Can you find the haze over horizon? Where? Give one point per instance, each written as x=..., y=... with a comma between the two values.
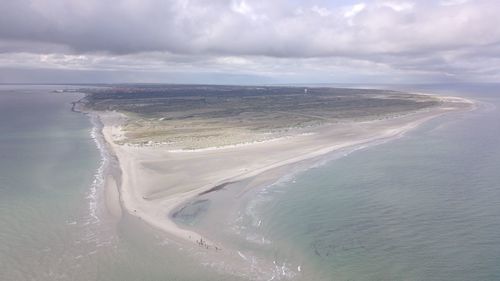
x=238, y=41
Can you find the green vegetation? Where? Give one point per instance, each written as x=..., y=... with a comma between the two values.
x=189, y=116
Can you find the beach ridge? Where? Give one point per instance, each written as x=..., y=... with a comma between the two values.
x=145, y=168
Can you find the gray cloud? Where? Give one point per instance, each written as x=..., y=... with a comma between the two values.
x=452, y=38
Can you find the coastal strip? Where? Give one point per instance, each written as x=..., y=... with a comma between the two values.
x=156, y=181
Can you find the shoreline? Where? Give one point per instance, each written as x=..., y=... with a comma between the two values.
x=138, y=166
x=107, y=178
x=109, y=171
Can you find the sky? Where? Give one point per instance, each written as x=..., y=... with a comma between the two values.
x=249, y=41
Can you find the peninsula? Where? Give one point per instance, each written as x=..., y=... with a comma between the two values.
x=175, y=143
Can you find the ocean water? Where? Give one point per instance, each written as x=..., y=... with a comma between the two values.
x=53, y=223
x=422, y=207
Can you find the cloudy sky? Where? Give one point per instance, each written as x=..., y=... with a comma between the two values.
x=249, y=41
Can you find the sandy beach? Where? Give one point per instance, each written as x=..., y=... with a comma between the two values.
x=156, y=181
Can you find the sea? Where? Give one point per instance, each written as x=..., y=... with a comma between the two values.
x=425, y=206
x=53, y=222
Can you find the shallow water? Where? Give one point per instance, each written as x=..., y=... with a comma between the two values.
x=422, y=207
x=53, y=225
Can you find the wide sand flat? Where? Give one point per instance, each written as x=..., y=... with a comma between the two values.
x=156, y=180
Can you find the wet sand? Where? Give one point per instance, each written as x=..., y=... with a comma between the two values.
x=155, y=182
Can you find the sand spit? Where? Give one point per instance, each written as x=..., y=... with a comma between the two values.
x=155, y=181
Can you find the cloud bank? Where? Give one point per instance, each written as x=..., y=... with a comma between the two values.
x=330, y=41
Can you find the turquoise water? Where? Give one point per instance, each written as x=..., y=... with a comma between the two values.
x=53, y=225
x=423, y=207
x=47, y=165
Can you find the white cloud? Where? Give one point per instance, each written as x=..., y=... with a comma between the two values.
x=324, y=12
x=452, y=2
x=241, y=6
x=354, y=10
x=428, y=37
x=398, y=5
